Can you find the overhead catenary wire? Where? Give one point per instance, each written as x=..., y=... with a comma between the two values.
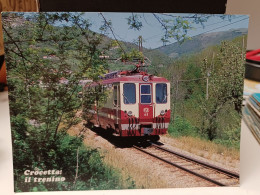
x=158, y=19
x=221, y=27
x=154, y=36
x=192, y=79
x=228, y=20
x=120, y=45
x=186, y=15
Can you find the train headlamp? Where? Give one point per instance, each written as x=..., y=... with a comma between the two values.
x=129, y=113
x=162, y=112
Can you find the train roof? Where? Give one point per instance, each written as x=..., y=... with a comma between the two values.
x=134, y=76
x=135, y=79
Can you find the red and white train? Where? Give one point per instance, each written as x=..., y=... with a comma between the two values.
x=138, y=104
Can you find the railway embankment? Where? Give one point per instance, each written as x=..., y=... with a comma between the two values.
x=148, y=172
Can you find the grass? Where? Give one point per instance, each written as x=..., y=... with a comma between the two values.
x=124, y=181
x=136, y=175
x=142, y=175
x=205, y=149
x=130, y=171
x=190, y=138
x=132, y=174
x=139, y=172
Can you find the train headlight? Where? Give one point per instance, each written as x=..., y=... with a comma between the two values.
x=129, y=113
x=162, y=112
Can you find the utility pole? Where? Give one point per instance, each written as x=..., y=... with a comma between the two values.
x=164, y=40
x=82, y=98
x=207, y=87
x=140, y=43
x=175, y=99
x=140, y=46
x=208, y=75
x=243, y=45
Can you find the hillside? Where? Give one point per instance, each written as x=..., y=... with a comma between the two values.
x=200, y=42
x=156, y=57
x=164, y=55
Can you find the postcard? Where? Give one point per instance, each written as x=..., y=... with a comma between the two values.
x=102, y=101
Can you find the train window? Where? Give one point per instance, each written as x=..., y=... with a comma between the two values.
x=161, y=93
x=115, y=95
x=145, y=99
x=129, y=93
x=145, y=89
x=146, y=96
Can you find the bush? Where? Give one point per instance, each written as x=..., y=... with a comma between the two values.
x=182, y=127
x=230, y=137
x=61, y=154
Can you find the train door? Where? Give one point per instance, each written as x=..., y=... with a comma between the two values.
x=116, y=102
x=146, y=103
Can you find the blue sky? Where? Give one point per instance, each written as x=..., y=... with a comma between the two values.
x=152, y=31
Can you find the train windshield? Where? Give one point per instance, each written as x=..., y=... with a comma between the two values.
x=161, y=93
x=146, y=96
x=129, y=93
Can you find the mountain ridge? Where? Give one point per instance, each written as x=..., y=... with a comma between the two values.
x=200, y=42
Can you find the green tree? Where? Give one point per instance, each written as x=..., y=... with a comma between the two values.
x=225, y=85
x=218, y=116
x=47, y=55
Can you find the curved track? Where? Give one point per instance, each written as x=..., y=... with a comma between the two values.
x=206, y=171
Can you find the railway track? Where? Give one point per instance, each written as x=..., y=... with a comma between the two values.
x=206, y=171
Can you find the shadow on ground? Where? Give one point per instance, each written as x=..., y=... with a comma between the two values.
x=123, y=142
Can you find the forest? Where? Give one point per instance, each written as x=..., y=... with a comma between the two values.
x=207, y=93
x=48, y=54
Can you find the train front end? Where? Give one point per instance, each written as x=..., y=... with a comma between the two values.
x=145, y=106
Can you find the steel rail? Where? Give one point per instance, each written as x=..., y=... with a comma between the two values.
x=207, y=165
x=180, y=167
